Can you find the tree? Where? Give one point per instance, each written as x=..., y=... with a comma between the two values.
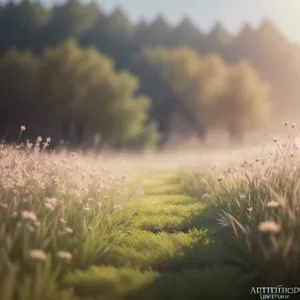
x=81, y=85
x=192, y=82
x=243, y=104
x=110, y=35
x=69, y=20
x=272, y=56
x=186, y=34
x=28, y=24
x=18, y=71
x=118, y=25
x=208, y=92
x=20, y=24
x=216, y=41
x=157, y=33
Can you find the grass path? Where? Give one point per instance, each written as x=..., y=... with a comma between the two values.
x=169, y=253
x=170, y=236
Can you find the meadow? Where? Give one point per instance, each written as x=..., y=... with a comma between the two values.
x=201, y=225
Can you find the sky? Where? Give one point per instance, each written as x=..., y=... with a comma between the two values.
x=232, y=13
x=204, y=13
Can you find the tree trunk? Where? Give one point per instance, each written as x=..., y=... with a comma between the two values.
x=3, y=128
x=197, y=125
x=201, y=132
x=65, y=129
x=164, y=129
x=235, y=134
x=79, y=130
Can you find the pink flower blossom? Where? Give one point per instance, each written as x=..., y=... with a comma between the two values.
x=297, y=143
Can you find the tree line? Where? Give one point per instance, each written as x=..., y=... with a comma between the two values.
x=74, y=63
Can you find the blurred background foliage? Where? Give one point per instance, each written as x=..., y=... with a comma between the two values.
x=73, y=71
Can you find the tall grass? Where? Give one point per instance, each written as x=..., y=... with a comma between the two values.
x=58, y=213
x=257, y=208
x=72, y=228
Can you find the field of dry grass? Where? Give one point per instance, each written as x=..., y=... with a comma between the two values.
x=176, y=225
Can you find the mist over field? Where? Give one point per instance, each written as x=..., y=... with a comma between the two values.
x=144, y=160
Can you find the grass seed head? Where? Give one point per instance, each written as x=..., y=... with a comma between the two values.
x=269, y=227
x=38, y=255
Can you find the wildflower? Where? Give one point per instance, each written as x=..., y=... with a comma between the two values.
x=205, y=196
x=293, y=125
x=45, y=145
x=242, y=196
x=29, y=145
x=269, y=227
x=37, y=223
x=272, y=204
x=86, y=208
x=49, y=206
x=297, y=143
x=285, y=123
x=23, y=128
x=14, y=214
x=249, y=209
x=68, y=230
x=275, y=139
x=31, y=228
x=64, y=255
x=3, y=205
x=63, y=221
x=50, y=203
x=220, y=178
x=39, y=139
x=39, y=255
x=48, y=140
x=27, y=215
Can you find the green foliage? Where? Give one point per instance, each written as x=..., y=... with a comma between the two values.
x=82, y=83
x=32, y=26
x=245, y=103
x=25, y=20
x=214, y=93
x=117, y=24
x=18, y=69
x=68, y=20
x=155, y=33
x=146, y=139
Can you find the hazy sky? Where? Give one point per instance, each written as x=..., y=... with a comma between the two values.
x=285, y=13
